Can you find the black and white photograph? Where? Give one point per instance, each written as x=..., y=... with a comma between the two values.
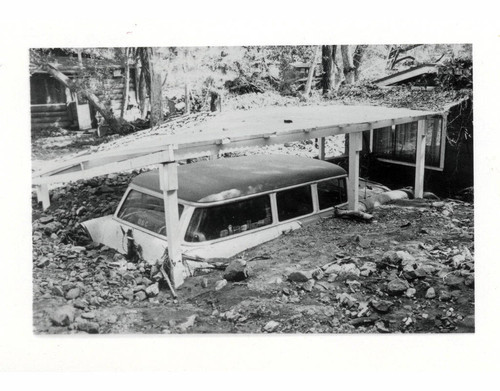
x=279, y=189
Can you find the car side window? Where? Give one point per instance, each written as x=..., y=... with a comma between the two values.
x=294, y=202
x=219, y=221
x=146, y=211
x=331, y=193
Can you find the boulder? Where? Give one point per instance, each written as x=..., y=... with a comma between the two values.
x=153, y=290
x=63, y=316
x=236, y=271
x=382, y=306
x=88, y=327
x=397, y=287
x=300, y=276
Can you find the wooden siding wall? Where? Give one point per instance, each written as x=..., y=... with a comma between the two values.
x=113, y=91
x=51, y=115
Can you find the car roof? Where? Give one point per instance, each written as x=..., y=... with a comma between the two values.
x=222, y=179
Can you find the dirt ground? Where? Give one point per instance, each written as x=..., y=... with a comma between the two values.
x=409, y=271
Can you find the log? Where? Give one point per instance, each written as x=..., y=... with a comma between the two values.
x=48, y=108
x=92, y=98
x=353, y=214
x=50, y=114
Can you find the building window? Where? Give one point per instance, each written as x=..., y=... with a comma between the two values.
x=398, y=143
x=331, y=193
x=294, y=203
x=146, y=211
x=219, y=221
x=46, y=90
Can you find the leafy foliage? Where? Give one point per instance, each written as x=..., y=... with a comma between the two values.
x=456, y=74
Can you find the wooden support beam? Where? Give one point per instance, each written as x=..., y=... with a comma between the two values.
x=321, y=147
x=169, y=186
x=43, y=196
x=420, y=160
x=355, y=146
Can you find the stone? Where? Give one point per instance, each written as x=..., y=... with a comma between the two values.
x=80, y=304
x=409, y=272
x=420, y=272
x=220, y=284
x=308, y=285
x=73, y=293
x=430, y=294
x=63, y=316
x=81, y=210
x=367, y=269
x=410, y=292
x=346, y=299
x=444, y=295
x=188, y=323
x=236, y=271
x=318, y=274
x=397, y=287
x=204, y=283
x=44, y=261
x=88, y=315
x=141, y=296
x=300, y=276
x=381, y=327
x=363, y=321
x=457, y=260
x=396, y=258
x=469, y=281
x=271, y=326
x=153, y=290
x=453, y=281
x=46, y=219
x=88, y=327
x=382, y=306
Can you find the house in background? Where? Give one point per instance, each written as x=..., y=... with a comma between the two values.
x=54, y=105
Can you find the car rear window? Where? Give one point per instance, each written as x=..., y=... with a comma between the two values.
x=331, y=192
x=146, y=211
x=294, y=202
x=229, y=219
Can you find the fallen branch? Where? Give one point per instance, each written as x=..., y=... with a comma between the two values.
x=353, y=214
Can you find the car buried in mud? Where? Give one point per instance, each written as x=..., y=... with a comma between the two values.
x=225, y=206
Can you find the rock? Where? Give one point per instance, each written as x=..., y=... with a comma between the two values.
x=153, y=290
x=300, y=276
x=397, y=287
x=469, y=281
x=318, y=274
x=88, y=315
x=363, y=321
x=63, y=316
x=236, y=271
x=271, y=326
x=141, y=296
x=204, y=283
x=80, y=304
x=73, y=293
x=444, y=295
x=46, y=219
x=396, y=258
x=81, y=210
x=308, y=285
x=88, y=327
x=346, y=299
x=409, y=272
x=410, y=292
x=382, y=306
x=44, y=261
x=420, y=272
x=457, y=260
x=343, y=270
x=220, y=284
x=187, y=324
x=381, y=327
x=430, y=294
x=368, y=268
x=453, y=281
x=58, y=291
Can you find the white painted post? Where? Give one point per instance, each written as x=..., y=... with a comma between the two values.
x=42, y=195
x=321, y=152
x=169, y=186
x=355, y=146
x=420, y=160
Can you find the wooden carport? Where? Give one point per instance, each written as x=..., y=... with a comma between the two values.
x=235, y=131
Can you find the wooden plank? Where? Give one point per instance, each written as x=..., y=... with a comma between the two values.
x=355, y=146
x=321, y=148
x=169, y=186
x=444, y=130
x=48, y=107
x=49, y=114
x=420, y=160
x=110, y=168
x=43, y=196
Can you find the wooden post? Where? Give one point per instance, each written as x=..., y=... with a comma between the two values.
x=187, y=101
x=42, y=195
x=355, y=146
x=420, y=160
x=321, y=147
x=169, y=186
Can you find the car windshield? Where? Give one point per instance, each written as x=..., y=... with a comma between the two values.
x=145, y=211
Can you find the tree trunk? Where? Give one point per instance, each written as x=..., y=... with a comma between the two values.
x=215, y=101
x=155, y=89
x=356, y=59
x=127, y=84
x=347, y=64
x=310, y=75
x=328, y=55
x=90, y=96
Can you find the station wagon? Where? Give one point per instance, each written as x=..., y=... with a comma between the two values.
x=225, y=206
